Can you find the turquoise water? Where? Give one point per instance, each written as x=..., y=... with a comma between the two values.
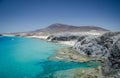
x=27, y=58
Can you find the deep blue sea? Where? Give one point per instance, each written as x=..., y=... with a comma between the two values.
x=28, y=58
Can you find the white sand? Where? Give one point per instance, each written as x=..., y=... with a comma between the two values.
x=70, y=43
x=39, y=37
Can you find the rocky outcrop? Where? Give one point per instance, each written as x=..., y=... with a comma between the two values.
x=106, y=46
x=112, y=64
x=79, y=73
x=97, y=46
x=62, y=37
x=68, y=54
x=108, y=39
x=89, y=46
x=115, y=53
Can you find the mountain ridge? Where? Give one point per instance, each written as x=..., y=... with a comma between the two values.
x=58, y=27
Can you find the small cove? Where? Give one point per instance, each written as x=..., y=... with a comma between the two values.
x=27, y=58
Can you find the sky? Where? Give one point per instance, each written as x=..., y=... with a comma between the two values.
x=27, y=15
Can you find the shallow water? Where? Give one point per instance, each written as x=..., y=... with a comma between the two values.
x=27, y=58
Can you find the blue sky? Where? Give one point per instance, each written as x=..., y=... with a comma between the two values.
x=27, y=15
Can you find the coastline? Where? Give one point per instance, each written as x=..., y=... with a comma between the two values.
x=67, y=53
x=68, y=43
x=71, y=56
x=38, y=37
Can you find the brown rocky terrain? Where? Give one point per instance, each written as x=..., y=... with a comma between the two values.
x=58, y=28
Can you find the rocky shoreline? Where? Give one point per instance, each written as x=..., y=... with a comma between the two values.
x=69, y=54
x=84, y=48
x=105, y=48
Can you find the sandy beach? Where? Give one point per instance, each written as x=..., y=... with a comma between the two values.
x=38, y=37
x=69, y=43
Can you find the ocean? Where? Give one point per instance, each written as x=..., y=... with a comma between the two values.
x=28, y=58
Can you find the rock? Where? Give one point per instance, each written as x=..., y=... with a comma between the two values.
x=106, y=46
x=115, y=55
x=112, y=65
x=111, y=41
x=68, y=54
x=63, y=37
x=78, y=73
x=97, y=46
x=108, y=39
x=89, y=46
x=117, y=75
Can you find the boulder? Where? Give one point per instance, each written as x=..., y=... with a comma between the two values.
x=89, y=46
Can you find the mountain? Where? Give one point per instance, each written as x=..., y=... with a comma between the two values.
x=58, y=28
